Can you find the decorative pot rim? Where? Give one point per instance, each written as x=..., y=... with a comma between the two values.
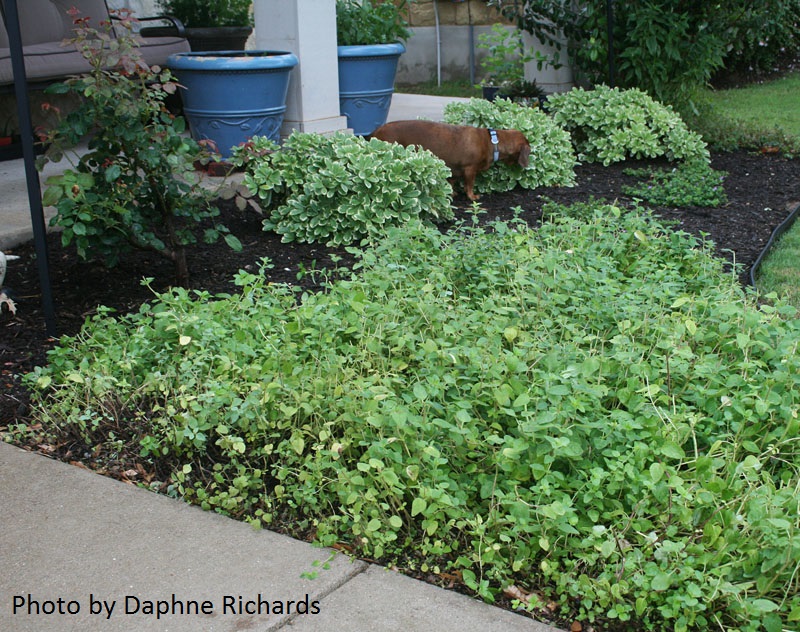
x=233, y=60
x=371, y=50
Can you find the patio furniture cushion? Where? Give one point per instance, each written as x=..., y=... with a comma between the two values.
x=45, y=25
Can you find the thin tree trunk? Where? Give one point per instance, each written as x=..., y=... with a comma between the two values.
x=181, y=267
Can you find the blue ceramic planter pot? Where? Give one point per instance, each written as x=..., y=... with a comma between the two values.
x=230, y=96
x=366, y=84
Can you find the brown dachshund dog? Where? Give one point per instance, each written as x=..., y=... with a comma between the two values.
x=466, y=150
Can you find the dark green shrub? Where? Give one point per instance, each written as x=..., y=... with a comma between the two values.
x=663, y=47
x=136, y=186
x=763, y=33
x=209, y=13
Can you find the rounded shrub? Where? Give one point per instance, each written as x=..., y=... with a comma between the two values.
x=341, y=188
x=610, y=125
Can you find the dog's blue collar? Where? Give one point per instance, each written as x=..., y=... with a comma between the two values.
x=495, y=144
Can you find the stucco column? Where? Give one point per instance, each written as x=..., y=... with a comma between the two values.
x=307, y=28
x=548, y=78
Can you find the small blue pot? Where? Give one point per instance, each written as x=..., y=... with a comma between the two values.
x=366, y=84
x=230, y=96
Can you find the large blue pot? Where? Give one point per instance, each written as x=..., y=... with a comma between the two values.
x=366, y=84
x=230, y=96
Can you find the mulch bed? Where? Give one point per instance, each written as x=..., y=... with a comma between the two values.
x=762, y=190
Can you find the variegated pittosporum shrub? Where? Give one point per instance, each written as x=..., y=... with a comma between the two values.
x=610, y=125
x=552, y=160
x=341, y=188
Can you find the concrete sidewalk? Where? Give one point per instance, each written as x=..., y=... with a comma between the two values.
x=15, y=215
x=84, y=552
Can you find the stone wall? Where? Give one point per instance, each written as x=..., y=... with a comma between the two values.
x=452, y=13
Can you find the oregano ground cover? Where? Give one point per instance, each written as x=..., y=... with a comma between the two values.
x=687, y=184
x=593, y=412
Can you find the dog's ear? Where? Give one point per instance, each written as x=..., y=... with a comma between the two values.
x=524, y=155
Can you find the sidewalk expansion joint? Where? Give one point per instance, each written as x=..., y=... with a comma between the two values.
x=358, y=567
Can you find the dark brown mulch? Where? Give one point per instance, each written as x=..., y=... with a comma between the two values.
x=762, y=189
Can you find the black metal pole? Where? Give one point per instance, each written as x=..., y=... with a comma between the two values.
x=610, y=24
x=11, y=16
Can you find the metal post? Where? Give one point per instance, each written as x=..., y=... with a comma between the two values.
x=610, y=24
x=438, y=43
x=11, y=18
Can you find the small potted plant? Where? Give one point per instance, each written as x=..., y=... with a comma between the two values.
x=370, y=35
x=7, y=137
x=524, y=92
x=212, y=24
x=505, y=59
x=11, y=142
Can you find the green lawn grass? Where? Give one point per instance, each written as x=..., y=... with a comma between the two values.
x=777, y=104
x=780, y=271
x=461, y=88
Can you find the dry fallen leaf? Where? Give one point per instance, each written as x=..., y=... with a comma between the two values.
x=146, y=476
x=515, y=592
x=341, y=546
x=7, y=303
x=452, y=579
x=576, y=626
